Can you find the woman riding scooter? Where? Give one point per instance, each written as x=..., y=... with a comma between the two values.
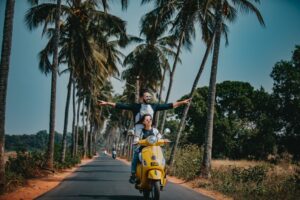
x=148, y=130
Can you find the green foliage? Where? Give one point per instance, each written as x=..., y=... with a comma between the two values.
x=286, y=94
x=31, y=164
x=13, y=180
x=33, y=142
x=243, y=122
x=195, y=122
x=27, y=165
x=69, y=160
x=186, y=164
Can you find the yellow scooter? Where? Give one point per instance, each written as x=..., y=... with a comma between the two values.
x=150, y=173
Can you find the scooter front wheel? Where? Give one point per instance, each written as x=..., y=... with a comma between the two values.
x=146, y=194
x=155, y=190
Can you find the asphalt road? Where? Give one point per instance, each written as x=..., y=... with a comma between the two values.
x=105, y=178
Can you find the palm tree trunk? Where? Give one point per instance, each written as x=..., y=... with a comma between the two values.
x=4, y=70
x=187, y=107
x=90, y=144
x=137, y=89
x=64, y=140
x=94, y=139
x=83, y=129
x=171, y=79
x=86, y=135
x=160, y=94
x=77, y=126
x=87, y=129
x=50, y=150
x=73, y=121
x=206, y=164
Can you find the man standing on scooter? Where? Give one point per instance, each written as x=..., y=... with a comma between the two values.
x=145, y=107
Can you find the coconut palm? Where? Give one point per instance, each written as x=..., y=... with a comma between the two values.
x=4, y=68
x=206, y=20
x=33, y=22
x=149, y=58
x=221, y=8
x=73, y=149
x=84, y=31
x=183, y=29
x=48, y=67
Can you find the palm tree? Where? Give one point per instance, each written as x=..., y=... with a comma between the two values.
x=84, y=31
x=221, y=8
x=77, y=124
x=73, y=150
x=183, y=30
x=50, y=151
x=149, y=58
x=34, y=19
x=206, y=20
x=165, y=70
x=64, y=140
x=191, y=95
x=4, y=69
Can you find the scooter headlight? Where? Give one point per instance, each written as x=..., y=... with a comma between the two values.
x=152, y=139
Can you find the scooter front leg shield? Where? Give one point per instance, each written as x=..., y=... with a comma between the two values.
x=154, y=174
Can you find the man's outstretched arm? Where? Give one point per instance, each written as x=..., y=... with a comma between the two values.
x=179, y=103
x=172, y=105
x=120, y=106
x=106, y=103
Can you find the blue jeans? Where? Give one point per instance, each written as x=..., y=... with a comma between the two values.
x=135, y=159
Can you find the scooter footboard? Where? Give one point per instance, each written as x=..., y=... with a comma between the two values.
x=155, y=174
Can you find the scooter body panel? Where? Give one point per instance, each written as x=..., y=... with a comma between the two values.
x=151, y=167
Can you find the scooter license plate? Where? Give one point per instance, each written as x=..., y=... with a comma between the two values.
x=154, y=163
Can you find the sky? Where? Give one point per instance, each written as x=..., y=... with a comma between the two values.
x=250, y=57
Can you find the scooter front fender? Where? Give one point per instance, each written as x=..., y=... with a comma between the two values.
x=154, y=174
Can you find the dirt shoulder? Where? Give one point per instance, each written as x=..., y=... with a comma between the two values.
x=38, y=186
x=190, y=185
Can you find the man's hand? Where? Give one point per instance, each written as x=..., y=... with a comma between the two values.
x=106, y=103
x=179, y=103
x=186, y=101
x=102, y=103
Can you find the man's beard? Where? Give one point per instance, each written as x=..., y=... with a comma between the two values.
x=147, y=101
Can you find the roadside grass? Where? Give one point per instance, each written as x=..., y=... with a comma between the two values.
x=21, y=166
x=240, y=179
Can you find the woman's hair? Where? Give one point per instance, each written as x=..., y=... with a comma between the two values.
x=144, y=116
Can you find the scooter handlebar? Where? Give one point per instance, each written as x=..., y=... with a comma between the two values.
x=159, y=142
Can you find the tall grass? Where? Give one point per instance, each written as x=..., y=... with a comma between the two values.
x=262, y=181
x=31, y=164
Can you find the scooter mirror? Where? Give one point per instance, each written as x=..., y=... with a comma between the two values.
x=167, y=131
x=130, y=132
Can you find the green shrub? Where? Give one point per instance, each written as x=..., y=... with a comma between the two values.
x=13, y=180
x=69, y=160
x=187, y=162
x=27, y=165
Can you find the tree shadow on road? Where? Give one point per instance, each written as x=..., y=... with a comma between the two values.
x=103, y=171
x=114, y=197
x=93, y=179
x=107, y=197
x=99, y=165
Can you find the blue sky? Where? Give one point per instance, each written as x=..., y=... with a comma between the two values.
x=250, y=56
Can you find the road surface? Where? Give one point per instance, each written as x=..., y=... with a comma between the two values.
x=105, y=178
